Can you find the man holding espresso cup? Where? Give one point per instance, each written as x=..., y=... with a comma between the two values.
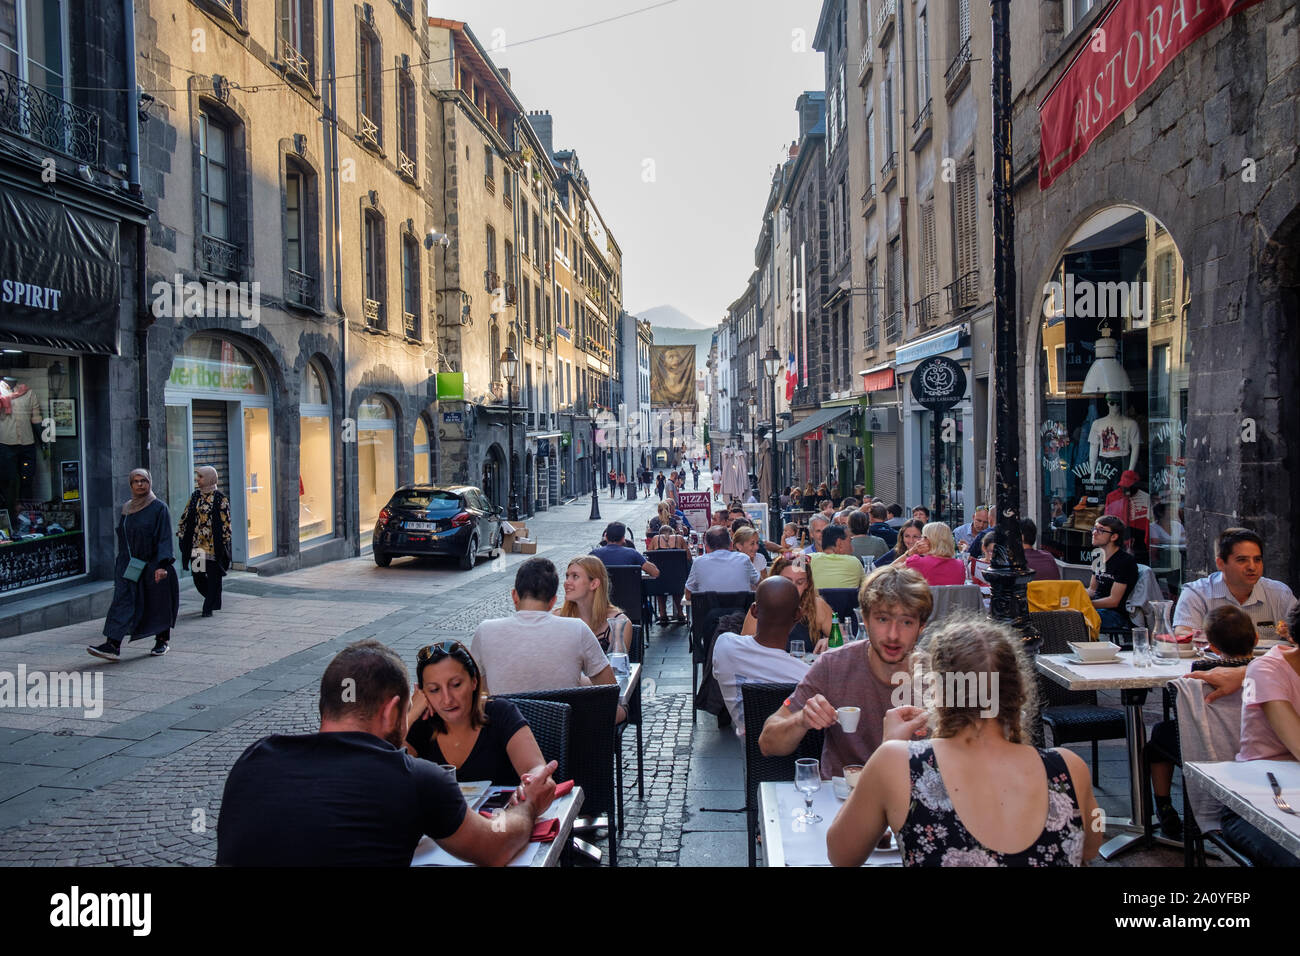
x=895, y=603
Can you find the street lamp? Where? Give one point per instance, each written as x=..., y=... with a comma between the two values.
x=753, y=452
x=592, y=412
x=509, y=363
x=772, y=367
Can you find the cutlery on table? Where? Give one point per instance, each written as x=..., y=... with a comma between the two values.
x=1277, y=795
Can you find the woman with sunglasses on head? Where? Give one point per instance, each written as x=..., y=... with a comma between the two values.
x=452, y=721
x=586, y=596
x=813, y=625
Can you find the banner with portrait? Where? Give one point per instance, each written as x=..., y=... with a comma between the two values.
x=672, y=375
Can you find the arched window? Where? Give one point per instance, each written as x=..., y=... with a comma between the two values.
x=376, y=460
x=423, y=453
x=315, y=457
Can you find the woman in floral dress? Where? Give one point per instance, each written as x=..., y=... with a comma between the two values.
x=973, y=794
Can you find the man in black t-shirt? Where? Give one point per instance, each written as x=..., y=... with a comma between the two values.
x=350, y=795
x=1115, y=577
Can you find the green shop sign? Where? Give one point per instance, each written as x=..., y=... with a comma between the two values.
x=451, y=386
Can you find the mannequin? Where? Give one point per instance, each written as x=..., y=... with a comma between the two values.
x=1114, y=438
x=19, y=411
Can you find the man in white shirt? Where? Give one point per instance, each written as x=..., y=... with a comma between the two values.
x=762, y=657
x=816, y=525
x=534, y=649
x=1239, y=583
x=720, y=568
x=717, y=483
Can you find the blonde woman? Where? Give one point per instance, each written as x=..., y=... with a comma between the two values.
x=745, y=540
x=975, y=793
x=586, y=596
x=934, y=556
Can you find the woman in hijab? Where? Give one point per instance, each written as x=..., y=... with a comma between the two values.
x=147, y=595
x=204, y=530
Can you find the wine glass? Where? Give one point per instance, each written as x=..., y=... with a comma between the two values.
x=808, y=780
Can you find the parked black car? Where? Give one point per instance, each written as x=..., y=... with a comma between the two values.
x=428, y=520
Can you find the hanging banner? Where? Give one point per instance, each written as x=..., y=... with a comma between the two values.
x=1130, y=46
x=672, y=375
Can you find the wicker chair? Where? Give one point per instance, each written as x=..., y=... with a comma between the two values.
x=1073, y=716
x=706, y=608
x=549, y=722
x=843, y=601
x=625, y=593
x=591, y=752
x=760, y=701
x=633, y=718
x=673, y=571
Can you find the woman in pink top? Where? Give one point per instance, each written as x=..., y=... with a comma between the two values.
x=933, y=556
x=1270, y=706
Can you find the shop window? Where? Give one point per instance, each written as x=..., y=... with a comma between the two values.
x=423, y=455
x=42, y=470
x=315, y=458
x=1114, y=392
x=376, y=461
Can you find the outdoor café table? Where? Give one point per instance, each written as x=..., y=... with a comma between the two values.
x=1242, y=787
x=788, y=844
x=428, y=853
x=629, y=689
x=1133, y=684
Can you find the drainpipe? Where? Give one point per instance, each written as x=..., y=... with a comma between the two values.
x=331, y=138
x=144, y=318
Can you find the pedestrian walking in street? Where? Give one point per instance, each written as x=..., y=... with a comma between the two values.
x=613, y=483
x=204, y=531
x=659, y=485
x=146, y=595
x=717, y=483
x=622, y=483
x=695, y=475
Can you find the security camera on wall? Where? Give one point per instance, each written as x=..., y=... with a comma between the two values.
x=437, y=238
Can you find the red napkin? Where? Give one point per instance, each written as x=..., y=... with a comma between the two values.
x=546, y=830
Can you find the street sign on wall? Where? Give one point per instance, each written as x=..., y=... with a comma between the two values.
x=938, y=383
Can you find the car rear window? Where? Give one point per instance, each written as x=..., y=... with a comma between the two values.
x=436, y=502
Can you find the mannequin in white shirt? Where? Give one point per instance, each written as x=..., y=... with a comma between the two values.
x=1114, y=437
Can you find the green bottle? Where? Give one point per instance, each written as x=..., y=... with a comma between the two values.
x=836, y=638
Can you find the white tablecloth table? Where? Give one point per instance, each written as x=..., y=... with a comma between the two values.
x=1243, y=787
x=787, y=843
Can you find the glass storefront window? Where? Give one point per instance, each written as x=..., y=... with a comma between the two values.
x=42, y=474
x=422, y=456
x=1114, y=379
x=259, y=481
x=315, y=459
x=952, y=504
x=376, y=461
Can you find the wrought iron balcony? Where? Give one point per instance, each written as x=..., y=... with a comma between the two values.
x=871, y=334
x=866, y=60
x=958, y=70
x=369, y=134
x=219, y=257
x=406, y=165
x=929, y=312
x=885, y=21
x=373, y=311
x=964, y=293
x=410, y=325
x=512, y=293
x=491, y=281
x=40, y=116
x=889, y=170
x=300, y=289
x=490, y=184
x=923, y=117
x=406, y=8
x=296, y=66
x=893, y=326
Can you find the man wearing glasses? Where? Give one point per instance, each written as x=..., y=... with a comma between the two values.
x=1114, y=574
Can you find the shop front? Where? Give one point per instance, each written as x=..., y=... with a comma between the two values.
x=947, y=435
x=1113, y=373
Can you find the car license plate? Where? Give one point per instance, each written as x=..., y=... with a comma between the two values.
x=420, y=526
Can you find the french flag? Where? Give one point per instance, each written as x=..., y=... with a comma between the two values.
x=790, y=378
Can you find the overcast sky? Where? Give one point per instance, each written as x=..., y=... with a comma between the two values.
x=697, y=94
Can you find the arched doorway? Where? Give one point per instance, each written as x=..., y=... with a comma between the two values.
x=219, y=414
x=1113, y=384
x=315, y=457
x=494, y=476
x=376, y=460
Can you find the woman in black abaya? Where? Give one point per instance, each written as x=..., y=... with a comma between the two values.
x=149, y=604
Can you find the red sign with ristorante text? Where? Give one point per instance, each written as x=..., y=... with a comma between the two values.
x=1130, y=46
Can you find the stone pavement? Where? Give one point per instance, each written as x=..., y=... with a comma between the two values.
x=141, y=784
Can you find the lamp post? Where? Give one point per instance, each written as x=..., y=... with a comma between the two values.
x=509, y=363
x=753, y=452
x=772, y=366
x=592, y=412
x=1010, y=575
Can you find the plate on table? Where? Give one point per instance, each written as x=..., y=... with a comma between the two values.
x=474, y=790
x=1079, y=660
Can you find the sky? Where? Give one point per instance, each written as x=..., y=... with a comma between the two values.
x=679, y=115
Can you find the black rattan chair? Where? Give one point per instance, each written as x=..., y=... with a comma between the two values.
x=843, y=601
x=1073, y=716
x=549, y=722
x=633, y=718
x=591, y=753
x=673, y=571
x=706, y=608
x=758, y=702
x=625, y=593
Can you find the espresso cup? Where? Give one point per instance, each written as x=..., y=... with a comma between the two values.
x=848, y=717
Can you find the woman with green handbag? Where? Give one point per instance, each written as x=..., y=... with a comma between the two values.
x=147, y=594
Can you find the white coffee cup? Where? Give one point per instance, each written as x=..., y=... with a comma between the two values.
x=848, y=717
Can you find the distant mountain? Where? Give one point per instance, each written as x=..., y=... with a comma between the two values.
x=667, y=317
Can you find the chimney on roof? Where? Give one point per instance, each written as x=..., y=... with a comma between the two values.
x=810, y=107
x=540, y=120
x=505, y=74
x=794, y=149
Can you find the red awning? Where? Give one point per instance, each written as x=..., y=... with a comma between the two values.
x=876, y=381
x=1129, y=47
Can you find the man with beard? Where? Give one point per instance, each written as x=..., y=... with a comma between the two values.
x=895, y=602
x=350, y=795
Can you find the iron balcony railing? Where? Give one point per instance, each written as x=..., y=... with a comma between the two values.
x=885, y=19
x=922, y=117
x=410, y=326
x=964, y=293
x=891, y=165
x=928, y=311
x=406, y=8
x=369, y=131
x=295, y=64
x=40, y=116
x=219, y=257
x=373, y=310
x=872, y=333
x=512, y=293
x=958, y=69
x=491, y=281
x=405, y=165
x=301, y=289
x=893, y=325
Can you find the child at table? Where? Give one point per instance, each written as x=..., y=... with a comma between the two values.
x=1231, y=636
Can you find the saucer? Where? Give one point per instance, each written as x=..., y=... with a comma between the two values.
x=1078, y=660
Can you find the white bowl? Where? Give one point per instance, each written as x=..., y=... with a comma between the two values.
x=1095, y=650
